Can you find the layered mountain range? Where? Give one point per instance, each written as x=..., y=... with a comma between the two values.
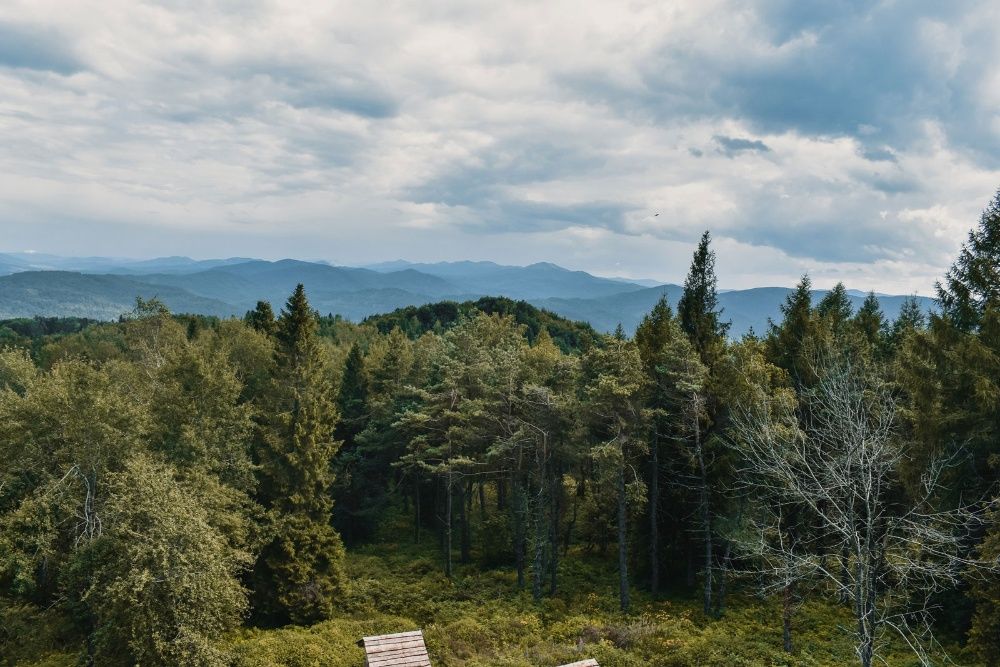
x=103, y=288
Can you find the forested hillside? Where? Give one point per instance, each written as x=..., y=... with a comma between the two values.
x=186, y=490
x=102, y=288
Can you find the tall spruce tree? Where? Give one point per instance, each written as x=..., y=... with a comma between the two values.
x=909, y=319
x=788, y=340
x=299, y=575
x=698, y=307
x=614, y=388
x=261, y=318
x=870, y=323
x=973, y=281
x=835, y=309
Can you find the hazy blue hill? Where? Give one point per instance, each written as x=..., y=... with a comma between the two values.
x=174, y=265
x=746, y=309
x=246, y=283
x=536, y=281
x=604, y=313
x=233, y=286
x=68, y=294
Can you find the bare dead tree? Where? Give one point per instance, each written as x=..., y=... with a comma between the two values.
x=832, y=462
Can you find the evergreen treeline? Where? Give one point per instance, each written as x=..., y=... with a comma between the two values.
x=167, y=480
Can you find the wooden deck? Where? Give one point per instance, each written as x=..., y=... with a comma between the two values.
x=590, y=662
x=404, y=649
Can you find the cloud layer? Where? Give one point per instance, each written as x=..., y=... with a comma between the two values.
x=855, y=140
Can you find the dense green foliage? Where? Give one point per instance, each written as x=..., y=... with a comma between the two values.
x=437, y=317
x=527, y=491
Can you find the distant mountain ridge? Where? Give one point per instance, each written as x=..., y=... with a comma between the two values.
x=104, y=288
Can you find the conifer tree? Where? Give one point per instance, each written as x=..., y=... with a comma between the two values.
x=973, y=281
x=261, y=318
x=788, y=341
x=870, y=322
x=352, y=399
x=835, y=309
x=614, y=386
x=299, y=575
x=910, y=319
x=698, y=306
x=675, y=405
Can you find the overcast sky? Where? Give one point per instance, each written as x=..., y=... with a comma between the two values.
x=858, y=141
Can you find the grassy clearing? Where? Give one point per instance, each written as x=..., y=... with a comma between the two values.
x=479, y=618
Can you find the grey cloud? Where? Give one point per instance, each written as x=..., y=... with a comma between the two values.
x=34, y=48
x=878, y=154
x=864, y=64
x=733, y=146
x=510, y=163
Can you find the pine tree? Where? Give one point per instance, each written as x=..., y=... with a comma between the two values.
x=352, y=399
x=698, y=306
x=614, y=387
x=910, y=319
x=835, y=309
x=676, y=378
x=973, y=281
x=262, y=319
x=299, y=575
x=870, y=322
x=789, y=340
x=654, y=334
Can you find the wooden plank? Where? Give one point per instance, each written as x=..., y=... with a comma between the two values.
x=403, y=649
x=589, y=662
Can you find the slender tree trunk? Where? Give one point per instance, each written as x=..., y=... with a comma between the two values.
x=466, y=536
x=706, y=522
x=623, y=592
x=845, y=574
x=501, y=495
x=448, y=525
x=654, y=516
x=416, y=511
x=482, y=502
x=720, y=597
x=520, y=530
x=538, y=564
x=554, y=530
x=787, y=599
x=570, y=526
x=689, y=579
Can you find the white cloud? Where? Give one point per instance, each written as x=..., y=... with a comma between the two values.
x=851, y=144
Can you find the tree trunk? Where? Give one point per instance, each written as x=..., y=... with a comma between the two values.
x=654, y=516
x=520, y=532
x=538, y=564
x=466, y=536
x=416, y=512
x=554, y=530
x=787, y=596
x=623, y=591
x=720, y=597
x=706, y=522
x=482, y=502
x=447, y=529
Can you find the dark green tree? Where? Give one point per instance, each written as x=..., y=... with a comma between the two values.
x=973, y=281
x=262, y=319
x=698, y=306
x=788, y=340
x=870, y=323
x=834, y=309
x=910, y=319
x=299, y=575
